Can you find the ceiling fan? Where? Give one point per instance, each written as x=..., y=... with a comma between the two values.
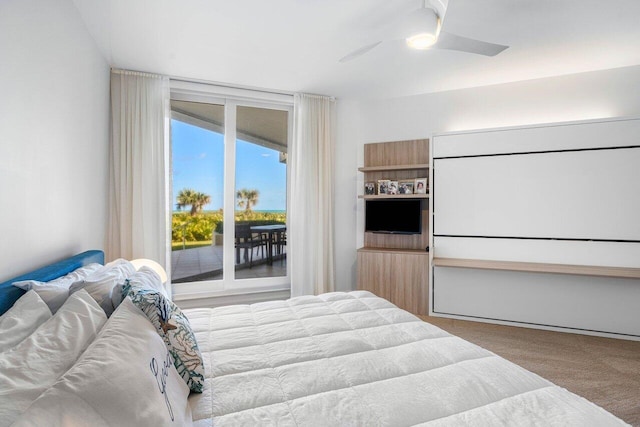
x=422, y=30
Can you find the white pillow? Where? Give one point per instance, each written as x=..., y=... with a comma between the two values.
x=125, y=378
x=55, y=292
x=32, y=366
x=22, y=319
x=100, y=284
x=145, y=278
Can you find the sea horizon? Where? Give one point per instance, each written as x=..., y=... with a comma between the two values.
x=240, y=210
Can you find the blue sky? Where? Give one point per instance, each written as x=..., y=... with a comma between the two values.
x=198, y=163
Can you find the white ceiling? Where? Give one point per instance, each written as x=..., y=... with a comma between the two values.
x=294, y=45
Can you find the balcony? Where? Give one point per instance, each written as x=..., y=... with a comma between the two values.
x=205, y=263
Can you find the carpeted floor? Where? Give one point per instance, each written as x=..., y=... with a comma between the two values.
x=603, y=370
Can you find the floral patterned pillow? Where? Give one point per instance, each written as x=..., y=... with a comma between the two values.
x=174, y=328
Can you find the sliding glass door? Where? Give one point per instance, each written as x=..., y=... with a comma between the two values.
x=197, y=146
x=229, y=193
x=261, y=192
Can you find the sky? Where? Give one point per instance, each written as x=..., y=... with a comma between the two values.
x=198, y=163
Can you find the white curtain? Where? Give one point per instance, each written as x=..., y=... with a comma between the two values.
x=138, y=182
x=311, y=216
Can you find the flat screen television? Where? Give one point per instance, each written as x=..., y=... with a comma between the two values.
x=393, y=216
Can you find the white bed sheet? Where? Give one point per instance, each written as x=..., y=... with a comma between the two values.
x=353, y=359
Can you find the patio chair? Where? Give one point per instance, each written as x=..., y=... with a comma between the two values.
x=280, y=244
x=247, y=240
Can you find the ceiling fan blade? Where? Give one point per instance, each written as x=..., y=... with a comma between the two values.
x=361, y=51
x=453, y=42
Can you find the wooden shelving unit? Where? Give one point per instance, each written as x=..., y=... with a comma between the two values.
x=395, y=266
x=398, y=160
x=394, y=251
x=393, y=196
x=394, y=167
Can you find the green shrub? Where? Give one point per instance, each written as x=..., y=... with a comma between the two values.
x=194, y=228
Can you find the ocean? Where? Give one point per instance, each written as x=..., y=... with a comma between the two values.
x=275, y=211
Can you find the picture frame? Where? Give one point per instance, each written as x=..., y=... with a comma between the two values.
x=383, y=186
x=393, y=187
x=420, y=186
x=405, y=187
x=369, y=188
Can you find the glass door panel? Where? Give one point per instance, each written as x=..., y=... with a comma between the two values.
x=197, y=141
x=261, y=192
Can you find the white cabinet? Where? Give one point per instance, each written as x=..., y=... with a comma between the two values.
x=538, y=225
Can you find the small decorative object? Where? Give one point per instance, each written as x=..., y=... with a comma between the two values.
x=405, y=187
x=421, y=186
x=393, y=187
x=369, y=188
x=383, y=186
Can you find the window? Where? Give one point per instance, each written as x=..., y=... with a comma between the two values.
x=229, y=192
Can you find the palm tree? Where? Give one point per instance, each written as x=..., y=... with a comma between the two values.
x=200, y=200
x=247, y=198
x=195, y=199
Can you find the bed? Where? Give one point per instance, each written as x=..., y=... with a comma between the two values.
x=337, y=359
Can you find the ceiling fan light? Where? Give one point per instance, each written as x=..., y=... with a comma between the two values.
x=422, y=28
x=421, y=41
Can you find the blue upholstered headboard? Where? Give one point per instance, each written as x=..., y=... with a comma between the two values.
x=10, y=294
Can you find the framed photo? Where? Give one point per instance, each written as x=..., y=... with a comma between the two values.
x=405, y=187
x=420, y=186
x=369, y=188
x=393, y=187
x=383, y=186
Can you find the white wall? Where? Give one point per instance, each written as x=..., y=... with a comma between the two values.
x=599, y=94
x=349, y=132
x=54, y=129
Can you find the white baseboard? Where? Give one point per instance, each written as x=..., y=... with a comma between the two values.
x=222, y=300
x=537, y=326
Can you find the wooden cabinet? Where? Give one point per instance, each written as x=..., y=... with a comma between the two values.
x=396, y=266
x=400, y=276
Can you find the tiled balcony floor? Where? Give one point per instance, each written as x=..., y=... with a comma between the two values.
x=205, y=263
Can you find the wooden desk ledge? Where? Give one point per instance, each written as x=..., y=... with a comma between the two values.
x=537, y=267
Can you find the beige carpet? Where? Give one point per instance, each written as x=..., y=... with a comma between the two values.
x=603, y=370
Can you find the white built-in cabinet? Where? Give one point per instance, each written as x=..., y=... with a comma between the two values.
x=539, y=226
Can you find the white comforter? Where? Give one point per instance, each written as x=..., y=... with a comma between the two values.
x=353, y=359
